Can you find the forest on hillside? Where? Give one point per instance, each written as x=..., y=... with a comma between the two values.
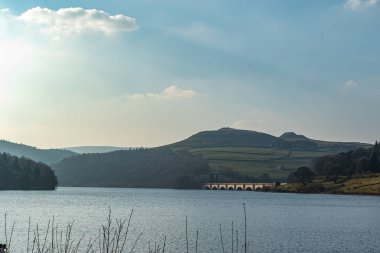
x=24, y=174
x=152, y=168
x=343, y=165
x=350, y=163
x=353, y=172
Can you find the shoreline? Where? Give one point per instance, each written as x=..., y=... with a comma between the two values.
x=366, y=185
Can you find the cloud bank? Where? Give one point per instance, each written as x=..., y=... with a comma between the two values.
x=170, y=92
x=71, y=21
x=359, y=4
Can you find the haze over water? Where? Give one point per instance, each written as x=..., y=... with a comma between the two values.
x=276, y=222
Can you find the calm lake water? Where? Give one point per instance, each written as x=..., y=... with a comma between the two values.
x=276, y=222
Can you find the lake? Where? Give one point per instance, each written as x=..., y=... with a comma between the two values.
x=276, y=222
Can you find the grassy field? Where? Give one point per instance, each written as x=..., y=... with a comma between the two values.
x=364, y=185
x=252, y=161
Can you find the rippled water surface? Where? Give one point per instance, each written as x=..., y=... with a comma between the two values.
x=275, y=222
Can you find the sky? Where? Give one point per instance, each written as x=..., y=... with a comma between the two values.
x=153, y=72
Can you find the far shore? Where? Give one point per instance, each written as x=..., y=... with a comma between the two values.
x=366, y=185
x=362, y=185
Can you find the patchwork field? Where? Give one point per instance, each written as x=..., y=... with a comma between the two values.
x=254, y=153
x=255, y=161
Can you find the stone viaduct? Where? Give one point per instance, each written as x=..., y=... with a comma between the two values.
x=238, y=186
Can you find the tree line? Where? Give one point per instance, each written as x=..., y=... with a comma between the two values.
x=354, y=162
x=346, y=164
x=150, y=168
x=25, y=174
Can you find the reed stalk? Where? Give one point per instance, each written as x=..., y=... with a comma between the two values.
x=112, y=238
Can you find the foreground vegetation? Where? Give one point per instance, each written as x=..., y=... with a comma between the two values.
x=25, y=174
x=114, y=236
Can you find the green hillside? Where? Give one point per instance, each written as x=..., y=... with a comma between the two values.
x=253, y=153
x=228, y=137
x=224, y=155
x=48, y=156
x=24, y=174
x=151, y=168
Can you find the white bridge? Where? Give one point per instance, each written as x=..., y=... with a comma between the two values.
x=238, y=186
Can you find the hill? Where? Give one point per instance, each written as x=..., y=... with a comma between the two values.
x=228, y=137
x=298, y=141
x=226, y=154
x=258, y=154
x=25, y=174
x=291, y=136
x=153, y=168
x=48, y=156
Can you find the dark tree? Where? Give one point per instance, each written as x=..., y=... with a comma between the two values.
x=303, y=175
x=335, y=172
x=373, y=164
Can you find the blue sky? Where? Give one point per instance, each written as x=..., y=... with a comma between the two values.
x=167, y=69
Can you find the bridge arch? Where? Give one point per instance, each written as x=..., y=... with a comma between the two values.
x=239, y=186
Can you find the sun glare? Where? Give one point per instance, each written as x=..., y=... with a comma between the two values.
x=15, y=56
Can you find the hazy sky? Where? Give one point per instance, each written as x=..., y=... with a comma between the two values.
x=152, y=72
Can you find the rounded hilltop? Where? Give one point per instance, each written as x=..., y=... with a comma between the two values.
x=293, y=136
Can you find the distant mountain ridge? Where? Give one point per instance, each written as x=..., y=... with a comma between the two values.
x=232, y=154
x=54, y=155
x=291, y=136
x=48, y=156
x=229, y=137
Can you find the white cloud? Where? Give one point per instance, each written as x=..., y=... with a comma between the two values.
x=359, y=4
x=70, y=21
x=351, y=84
x=170, y=92
x=5, y=11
